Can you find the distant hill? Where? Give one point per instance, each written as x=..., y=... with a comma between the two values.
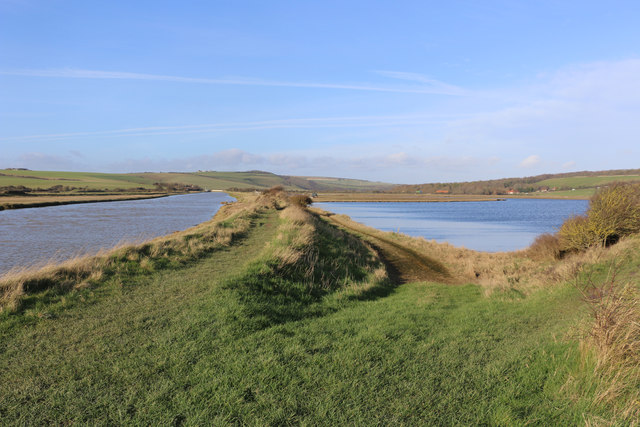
x=586, y=182
x=208, y=180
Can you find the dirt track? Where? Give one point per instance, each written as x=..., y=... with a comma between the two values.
x=404, y=264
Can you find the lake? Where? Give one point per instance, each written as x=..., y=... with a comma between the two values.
x=34, y=235
x=484, y=226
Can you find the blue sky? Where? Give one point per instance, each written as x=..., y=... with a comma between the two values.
x=397, y=91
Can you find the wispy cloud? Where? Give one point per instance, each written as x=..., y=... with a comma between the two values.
x=431, y=86
x=435, y=85
x=297, y=123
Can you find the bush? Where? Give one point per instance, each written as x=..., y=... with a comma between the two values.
x=546, y=246
x=300, y=200
x=614, y=212
x=575, y=234
x=274, y=190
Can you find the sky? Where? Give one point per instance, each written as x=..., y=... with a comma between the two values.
x=395, y=91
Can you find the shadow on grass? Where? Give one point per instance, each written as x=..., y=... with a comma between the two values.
x=335, y=263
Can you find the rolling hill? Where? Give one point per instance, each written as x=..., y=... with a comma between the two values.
x=209, y=180
x=585, y=183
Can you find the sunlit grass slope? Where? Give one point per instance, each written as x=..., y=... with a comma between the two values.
x=587, y=181
x=206, y=180
x=47, y=179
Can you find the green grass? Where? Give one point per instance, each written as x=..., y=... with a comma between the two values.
x=236, y=337
x=206, y=180
x=163, y=352
x=93, y=181
x=586, y=181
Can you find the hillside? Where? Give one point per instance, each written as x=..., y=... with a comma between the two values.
x=86, y=181
x=275, y=314
x=559, y=185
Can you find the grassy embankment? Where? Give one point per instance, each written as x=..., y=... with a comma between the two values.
x=399, y=197
x=273, y=315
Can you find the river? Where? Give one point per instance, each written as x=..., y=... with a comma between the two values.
x=485, y=226
x=36, y=235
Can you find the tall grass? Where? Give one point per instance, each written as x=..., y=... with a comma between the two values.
x=321, y=256
x=611, y=343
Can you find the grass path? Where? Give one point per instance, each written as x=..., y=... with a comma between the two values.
x=109, y=347
x=225, y=341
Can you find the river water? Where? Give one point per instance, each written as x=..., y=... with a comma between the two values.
x=36, y=235
x=485, y=226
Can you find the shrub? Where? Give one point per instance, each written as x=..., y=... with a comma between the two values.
x=575, y=234
x=546, y=246
x=300, y=200
x=274, y=190
x=614, y=212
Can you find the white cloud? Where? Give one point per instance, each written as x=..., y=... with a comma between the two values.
x=530, y=161
x=574, y=112
x=398, y=158
x=569, y=165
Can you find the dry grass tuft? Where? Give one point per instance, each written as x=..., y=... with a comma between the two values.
x=296, y=214
x=613, y=342
x=300, y=200
x=307, y=248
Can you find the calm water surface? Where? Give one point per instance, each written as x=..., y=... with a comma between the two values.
x=29, y=236
x=484, y=226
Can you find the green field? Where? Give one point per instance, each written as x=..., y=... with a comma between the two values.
x=277, y=317
x=586, y=181
x=206, y=180
x=94, y=181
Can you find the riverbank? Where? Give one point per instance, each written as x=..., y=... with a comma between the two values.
x=23, y=202
x=435, y=198
x=274, y=314
x=400, y=197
